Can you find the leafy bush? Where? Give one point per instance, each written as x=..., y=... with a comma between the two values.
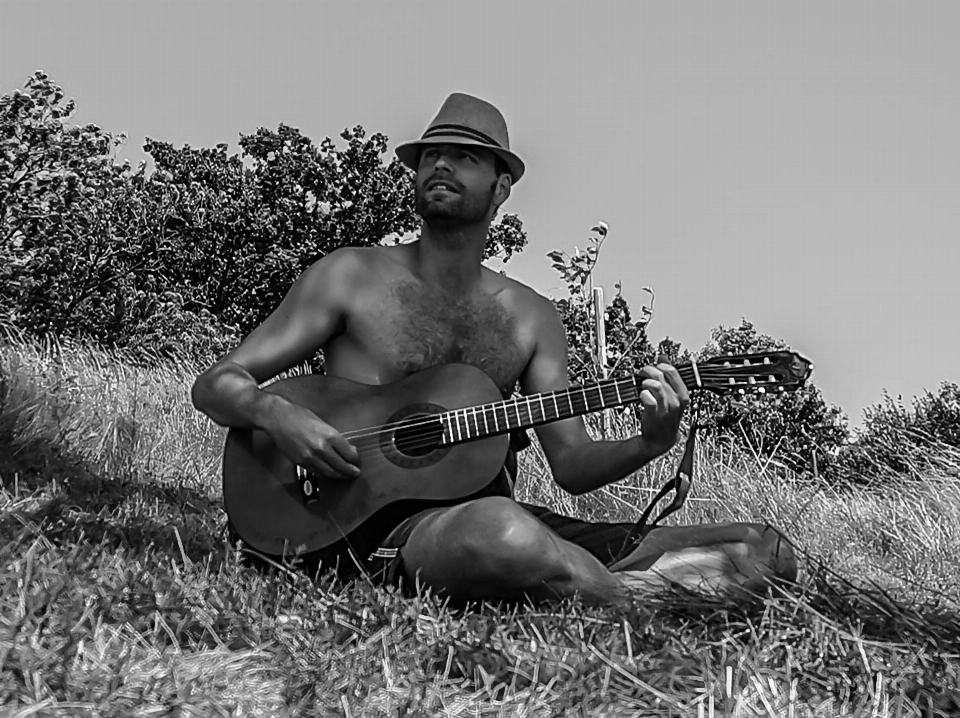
x=796, y=428
x=627, y=346
x=901, y=441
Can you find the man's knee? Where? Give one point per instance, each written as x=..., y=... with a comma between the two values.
x=774, y=552
x=489, y=543
x=502, y=536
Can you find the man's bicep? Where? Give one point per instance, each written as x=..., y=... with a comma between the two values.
x=546, y=372
x=310, y=315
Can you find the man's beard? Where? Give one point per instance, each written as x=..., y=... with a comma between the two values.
x=464, y=210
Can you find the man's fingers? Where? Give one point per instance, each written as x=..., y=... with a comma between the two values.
x=320, y=467
x=673, y=378
x=342, y=466
x=648, y=400
x=339, y=459
x=346, y=450
x=660, y=392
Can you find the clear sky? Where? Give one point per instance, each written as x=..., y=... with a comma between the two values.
x=793, y=163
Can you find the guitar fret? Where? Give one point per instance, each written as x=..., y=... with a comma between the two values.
x=543, y=409
x=486, y=429
x=586, y=399
x=610, y=394
x=516, y=408
x=556, y=407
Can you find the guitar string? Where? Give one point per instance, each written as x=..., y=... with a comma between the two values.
x=423, y=439
x=434, y=419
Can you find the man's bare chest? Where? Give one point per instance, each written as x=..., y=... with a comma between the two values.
x=420, y=326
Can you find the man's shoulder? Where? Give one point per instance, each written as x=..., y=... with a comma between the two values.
x=350, y=258
x=351, y=264
x=521, y=295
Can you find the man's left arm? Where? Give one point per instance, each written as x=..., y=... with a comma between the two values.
x=578, y=463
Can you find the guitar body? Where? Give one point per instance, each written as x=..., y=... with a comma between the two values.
x=263, y=496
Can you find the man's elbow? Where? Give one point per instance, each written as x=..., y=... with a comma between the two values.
x=203, y=387
x=198, y=392
x=568, y=480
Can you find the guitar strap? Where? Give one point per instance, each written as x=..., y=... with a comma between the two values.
x=679, y=484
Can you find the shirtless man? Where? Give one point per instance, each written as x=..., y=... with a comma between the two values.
x=381, y=313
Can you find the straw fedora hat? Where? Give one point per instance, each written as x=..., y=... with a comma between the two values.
x=465, y=120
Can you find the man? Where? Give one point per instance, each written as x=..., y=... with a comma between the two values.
x=380, y=314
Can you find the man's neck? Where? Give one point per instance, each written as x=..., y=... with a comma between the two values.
x=451, y=256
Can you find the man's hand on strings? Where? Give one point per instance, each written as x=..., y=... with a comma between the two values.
x=310, y=442
x=664, y=398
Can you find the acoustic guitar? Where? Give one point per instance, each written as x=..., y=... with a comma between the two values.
x=439, y=434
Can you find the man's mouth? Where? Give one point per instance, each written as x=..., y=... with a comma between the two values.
x=440, y=185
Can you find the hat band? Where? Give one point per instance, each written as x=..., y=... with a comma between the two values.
x=459, y=131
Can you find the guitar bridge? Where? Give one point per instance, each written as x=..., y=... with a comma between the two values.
x=308, y=485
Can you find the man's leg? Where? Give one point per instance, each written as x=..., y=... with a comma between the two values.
x=494, y=549
x=730, y=560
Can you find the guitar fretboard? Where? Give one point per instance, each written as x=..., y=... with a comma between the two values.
x=523, y=412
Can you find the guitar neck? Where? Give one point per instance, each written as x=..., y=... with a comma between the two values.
x=524, y=412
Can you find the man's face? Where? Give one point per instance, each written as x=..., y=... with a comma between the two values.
x=455, y=184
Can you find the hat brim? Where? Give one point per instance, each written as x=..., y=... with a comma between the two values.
x=409, y=152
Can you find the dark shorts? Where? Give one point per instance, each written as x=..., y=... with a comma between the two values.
x=603, y=540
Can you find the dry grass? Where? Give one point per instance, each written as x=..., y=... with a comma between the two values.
x=120, y=597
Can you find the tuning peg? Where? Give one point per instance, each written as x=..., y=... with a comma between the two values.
x=766, y=360
x=751, y=380
x=772, y=379
x=761, y=390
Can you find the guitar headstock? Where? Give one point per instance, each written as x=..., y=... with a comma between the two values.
x=760, y=373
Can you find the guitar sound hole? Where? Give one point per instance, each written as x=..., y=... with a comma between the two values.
x=420, y=437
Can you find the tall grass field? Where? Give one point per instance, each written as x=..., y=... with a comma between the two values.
x=122, y=597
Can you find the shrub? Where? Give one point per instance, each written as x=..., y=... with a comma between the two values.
x=912, y=442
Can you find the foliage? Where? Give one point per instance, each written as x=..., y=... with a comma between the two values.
x=792, y=426
x=627, y=346
x=192, y=256
x=900, y=441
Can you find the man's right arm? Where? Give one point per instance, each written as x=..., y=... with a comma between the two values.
x=311, y=314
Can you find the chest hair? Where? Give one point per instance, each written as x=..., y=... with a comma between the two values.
x=429, y=326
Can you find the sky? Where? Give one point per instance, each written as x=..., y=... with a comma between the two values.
x=796, y=164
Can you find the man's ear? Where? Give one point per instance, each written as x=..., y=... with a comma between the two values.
x=504, y=183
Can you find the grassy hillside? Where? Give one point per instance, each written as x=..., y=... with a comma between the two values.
x=120, y=596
